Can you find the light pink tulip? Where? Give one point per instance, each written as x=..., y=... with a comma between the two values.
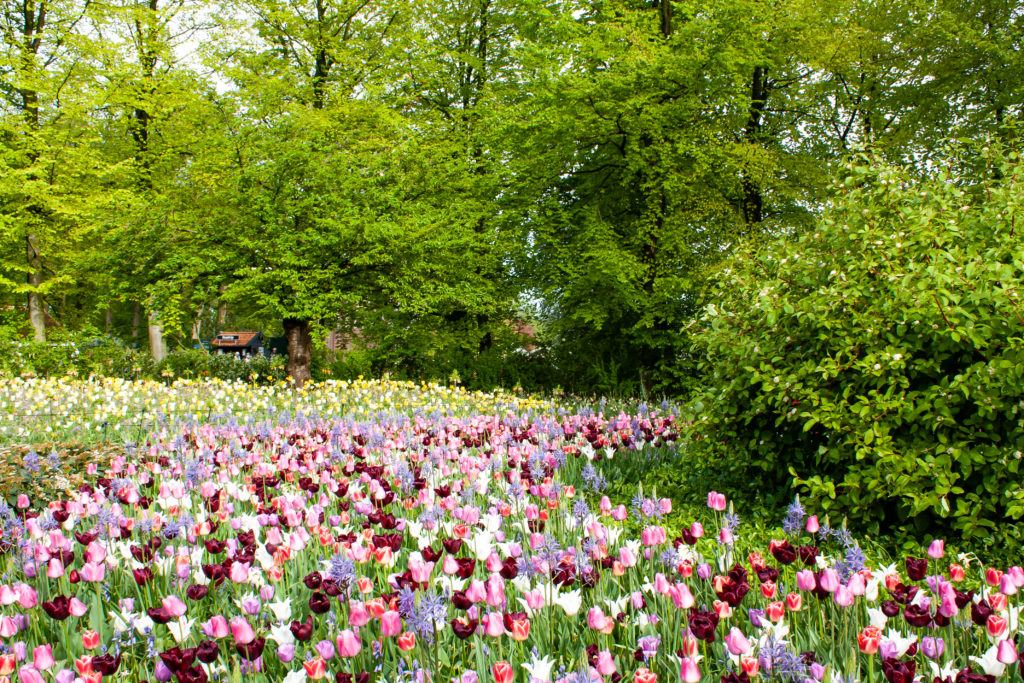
x=349, y=643
x=42, y=657
x=242, y=631
x=737, y=642
x=605, y=663
x=216, y=627
x=390, y=624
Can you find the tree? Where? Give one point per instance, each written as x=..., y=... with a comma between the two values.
x=42, y=61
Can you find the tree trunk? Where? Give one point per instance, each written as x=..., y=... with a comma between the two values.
x=300, y=350
x=109, y=319
x=197, y=325
x=222, y=310
x=156, y=338
x=36, y=316
x=136, y=320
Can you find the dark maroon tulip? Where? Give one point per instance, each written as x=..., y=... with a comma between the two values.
x=106, y=664
x=463, y=627
x=732, y=677
x=302, y=631
x=331, y=588
x=313, y=580
x=451, y=545
x=251, y=651
x=509, y=569
x=917, y=616
x=74, y=576
x=430, y=555
x=890, y=608
x=142, y=576
x=968, y=676
x=342, y=677
x=177, y=659
x=213, y=546
x=207, y=652
x=465, y=567
x=916, y=568
x=193, y=674
x=362, y=677
x=767, y=573
x=460, y=601
x=196, y=592
x=319, y=603
x=59, y=608
x=808, y=554
x=703, y=625
x=980, y=612
x=159, y=615
x=782, y=551
x=896, y=671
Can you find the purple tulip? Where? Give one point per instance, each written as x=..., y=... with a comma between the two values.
x=933, y=647
x=286, y=652
x=325, y=649
x=704, y=570
x=162, y=672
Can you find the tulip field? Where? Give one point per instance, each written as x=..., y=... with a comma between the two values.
x=386, y=532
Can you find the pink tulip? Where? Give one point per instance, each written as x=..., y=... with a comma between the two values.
x=240, y=572
x=390, y=624
x=697, y=530
x=829, y=580
x=94, y=552
x=42, y=657
x=737, y=642
x=689, y=671
x=7, y=627
x=681, y=596
x=805, y=580
x=812, y=524
x=27, y=674
x=93, y=572
x=54, y=569
x=1007, y=586
x=476, y=592
x=1017, y=574
x=937, y=549
x=174, y=606
x=242, y=631
x=495, y=591
x=449, y=566
x=627, y=558
x=843, y=596
x=716, y=501
x=493, y=624
x=349, y=643
x=8, y=596
x=77, y=607
x=357, y=614
x=857, y=585
x=26, y=595
x=216, y=627
x=534, y=598
x=605, y=505
x=605, y=663
x=620, y=513
x=1006, y=653
x=596, y=619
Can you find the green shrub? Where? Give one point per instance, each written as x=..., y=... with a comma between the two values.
x=199, y=364
x=70, y=353
x=877, y=364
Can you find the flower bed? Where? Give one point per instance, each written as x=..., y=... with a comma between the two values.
x=459, y=549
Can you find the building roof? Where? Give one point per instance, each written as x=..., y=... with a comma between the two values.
x=234, y=338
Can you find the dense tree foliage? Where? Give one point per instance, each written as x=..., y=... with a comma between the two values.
x=426, y=178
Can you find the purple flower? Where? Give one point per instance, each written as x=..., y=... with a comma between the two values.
x=325, y=648
x=704, y=570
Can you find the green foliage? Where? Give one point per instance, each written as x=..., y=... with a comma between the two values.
x=70, y=353
x=199, y=364
x=876, y=364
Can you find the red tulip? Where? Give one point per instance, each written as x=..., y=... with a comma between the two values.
x=503, y=672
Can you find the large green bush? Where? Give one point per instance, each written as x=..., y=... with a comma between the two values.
x=877, y=363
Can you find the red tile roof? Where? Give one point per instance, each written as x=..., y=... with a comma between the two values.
x=243, y=338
